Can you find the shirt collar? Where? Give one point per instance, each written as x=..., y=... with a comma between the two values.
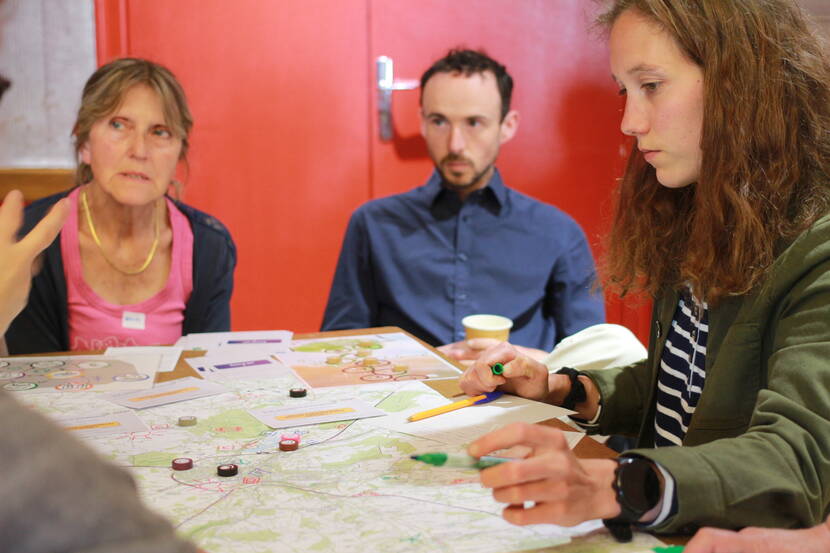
x=493, y=195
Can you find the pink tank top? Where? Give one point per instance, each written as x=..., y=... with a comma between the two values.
x=94, y=323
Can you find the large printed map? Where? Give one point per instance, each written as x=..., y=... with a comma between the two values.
x=350, y=487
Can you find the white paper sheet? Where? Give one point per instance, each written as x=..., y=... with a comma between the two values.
x=168, y=392
x=464, y=425
x=78, y=373
x=102, y=425
x=237, y=365
x=169, y=354
x=272, y=341
x=315, y=413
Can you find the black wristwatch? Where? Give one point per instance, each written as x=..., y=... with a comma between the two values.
x=637, y=485
x=577, y=393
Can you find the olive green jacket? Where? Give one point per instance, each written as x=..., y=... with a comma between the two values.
x=757, y=451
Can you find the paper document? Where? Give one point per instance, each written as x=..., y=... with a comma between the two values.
x=169, y=354
x=78, y=373
x=315, y=413
x=102, y=425
x=469, y=423
x=238, y=365
x=365, y=359
x=263, y=340
x=169, y=392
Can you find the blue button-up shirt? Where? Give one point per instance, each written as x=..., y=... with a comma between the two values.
x=423, y=260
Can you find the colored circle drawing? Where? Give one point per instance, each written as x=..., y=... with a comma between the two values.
x=376, y=364
x=19, y=386
x=73, y=386
x=63, y=374
x=48, y=364
x=130, y=377
x=93, y=365
x=11, y=375
x=375, y=377
x=393, y=369
x=45, y=370
x=356, y=370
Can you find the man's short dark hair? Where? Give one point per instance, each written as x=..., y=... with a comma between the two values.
x=470, y=62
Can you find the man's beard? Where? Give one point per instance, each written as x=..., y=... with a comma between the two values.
x=476, y=179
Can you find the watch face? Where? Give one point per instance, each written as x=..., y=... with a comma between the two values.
x=638, y=484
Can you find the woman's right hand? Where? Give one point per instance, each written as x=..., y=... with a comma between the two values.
x=522, y=376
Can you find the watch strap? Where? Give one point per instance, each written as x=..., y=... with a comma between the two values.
x=646, y=492
x=578, y=393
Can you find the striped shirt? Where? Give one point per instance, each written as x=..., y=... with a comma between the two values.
x=682, y=371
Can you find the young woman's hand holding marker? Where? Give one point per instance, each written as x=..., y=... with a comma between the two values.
x=525, y=377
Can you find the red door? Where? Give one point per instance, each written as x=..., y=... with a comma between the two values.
x=286, y=144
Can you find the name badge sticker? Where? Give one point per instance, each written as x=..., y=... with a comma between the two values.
x=135, y=321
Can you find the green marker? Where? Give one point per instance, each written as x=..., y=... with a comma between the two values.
x=459, y=461
x=497, y=369
x=669, y=549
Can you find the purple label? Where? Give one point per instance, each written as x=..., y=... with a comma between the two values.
x=256, y=341
x=243, y=364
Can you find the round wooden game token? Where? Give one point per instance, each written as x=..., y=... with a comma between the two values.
x=288, y=445
x=227, y=470
x=182, y=463
x=297, y=392
x=187, y=421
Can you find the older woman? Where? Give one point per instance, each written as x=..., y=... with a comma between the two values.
x=131, y=266
x=722, y=216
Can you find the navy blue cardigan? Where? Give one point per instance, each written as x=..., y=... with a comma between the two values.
x=43, y=325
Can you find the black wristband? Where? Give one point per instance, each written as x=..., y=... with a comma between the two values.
x=577, y=393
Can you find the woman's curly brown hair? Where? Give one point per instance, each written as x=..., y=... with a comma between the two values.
x=766, y=152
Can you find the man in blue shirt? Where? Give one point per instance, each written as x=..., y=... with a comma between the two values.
x=464, y=243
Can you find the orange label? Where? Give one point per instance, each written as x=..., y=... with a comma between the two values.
x=162, y=394
x=91, y=426
x=315, y=414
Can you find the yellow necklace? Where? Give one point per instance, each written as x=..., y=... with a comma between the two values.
x=101, y=248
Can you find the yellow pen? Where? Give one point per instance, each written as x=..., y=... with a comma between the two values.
x=483, y=398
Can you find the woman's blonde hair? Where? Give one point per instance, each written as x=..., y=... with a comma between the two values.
x=765, y=173
x=105, y=90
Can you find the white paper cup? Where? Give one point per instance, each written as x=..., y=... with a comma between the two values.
x=487, y=326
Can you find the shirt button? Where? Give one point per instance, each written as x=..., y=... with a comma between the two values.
x=693, y=334
x=462, y=256
x=465, y=218
x=462, y=297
